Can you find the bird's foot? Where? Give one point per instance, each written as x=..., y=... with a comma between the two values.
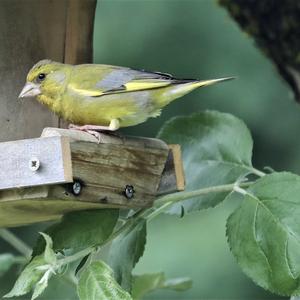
x=96, y=131
x=96, y=134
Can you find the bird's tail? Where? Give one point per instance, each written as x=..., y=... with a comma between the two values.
x=185, y=86
x=201, y=83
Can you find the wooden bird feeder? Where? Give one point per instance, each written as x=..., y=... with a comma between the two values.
x=67, y=170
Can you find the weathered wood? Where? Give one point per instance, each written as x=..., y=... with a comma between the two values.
x=172, y=179
x=25, y=206
x=178, y=166
x=107, y=168
x=79, y=33
x=31, y=30
x=34, y=162
x=102, y=171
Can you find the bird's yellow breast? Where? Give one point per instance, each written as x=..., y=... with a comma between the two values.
x=101, y=110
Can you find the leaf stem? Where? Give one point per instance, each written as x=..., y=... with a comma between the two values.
x=158, y=211
x=176, y=197
x=14, y=241
x=76, y=256
x=258, y=172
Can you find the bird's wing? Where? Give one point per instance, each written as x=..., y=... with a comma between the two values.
x=98, y=80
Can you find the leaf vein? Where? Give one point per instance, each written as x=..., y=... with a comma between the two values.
x=287, y=259
x=256, y=239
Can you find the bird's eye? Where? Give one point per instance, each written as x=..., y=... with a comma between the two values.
x=41, y=76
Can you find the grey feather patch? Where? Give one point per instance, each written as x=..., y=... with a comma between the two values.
x=115, y=80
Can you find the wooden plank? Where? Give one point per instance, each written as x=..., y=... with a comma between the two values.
x=118, y=161
x=178, y=165
x=110, y=168
x=106, y=197
x=172, y=179
x=34, y=162
x=103, y=171
x=38, y=204
x=79, y=31
x=173, y=174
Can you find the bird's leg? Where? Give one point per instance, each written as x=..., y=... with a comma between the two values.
x=96, y=130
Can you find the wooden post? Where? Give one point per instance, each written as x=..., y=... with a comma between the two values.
x=29, y=31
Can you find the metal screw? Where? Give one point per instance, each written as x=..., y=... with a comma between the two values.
x=76, y=188
x=129, y=191
x=34, y=164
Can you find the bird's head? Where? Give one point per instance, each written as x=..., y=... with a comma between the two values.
x=46, y=79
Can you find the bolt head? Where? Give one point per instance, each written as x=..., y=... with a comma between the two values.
x=76, y=188
x=34, y=164
x=129, y=191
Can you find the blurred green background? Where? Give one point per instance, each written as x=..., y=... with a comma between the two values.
x=195, y=39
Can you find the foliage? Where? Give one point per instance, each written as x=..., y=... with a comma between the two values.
x=126, y=251
x=222, y=157
x=97, y=282
x=263, y=232
x=79, y=230
x=145, y=283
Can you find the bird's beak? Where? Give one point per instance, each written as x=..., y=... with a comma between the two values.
x=30, y=90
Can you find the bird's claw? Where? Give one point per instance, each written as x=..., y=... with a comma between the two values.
x=96, y=134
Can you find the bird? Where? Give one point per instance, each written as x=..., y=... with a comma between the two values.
x=99, y=97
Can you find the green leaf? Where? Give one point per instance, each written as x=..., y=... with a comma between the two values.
x=28, y=278
x=146, y=283
x=79, y=230
x=37, y=273
x=39, y=288
x=216, y=150
x=264, y=233
x=49, y=254
x=125, y=252
x=7, y=260
x=97, y=282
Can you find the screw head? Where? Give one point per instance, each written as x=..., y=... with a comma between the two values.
x=76, y=188
x=34, y=164
x=129, y=191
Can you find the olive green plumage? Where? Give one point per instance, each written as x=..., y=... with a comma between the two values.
x=99, y=94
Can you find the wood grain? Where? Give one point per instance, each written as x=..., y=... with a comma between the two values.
x=31, y=30
x=172, y=179
x=52, y=154
x=103, y=170
x=178, y=166
x=106, y=168
x=79, y=31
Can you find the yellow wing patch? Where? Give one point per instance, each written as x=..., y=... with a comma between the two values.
x=138, y=85
x=131, y=86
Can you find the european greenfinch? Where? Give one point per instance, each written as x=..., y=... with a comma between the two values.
x=104, y=97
